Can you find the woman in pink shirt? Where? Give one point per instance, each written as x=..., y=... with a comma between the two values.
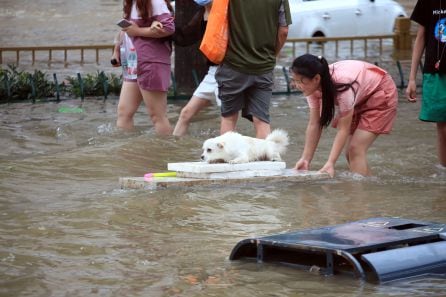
x=152, y=24
x=361, y=100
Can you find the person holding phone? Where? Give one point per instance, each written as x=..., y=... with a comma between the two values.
x=151, y=22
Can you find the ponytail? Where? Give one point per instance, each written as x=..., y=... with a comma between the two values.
x=329, y=93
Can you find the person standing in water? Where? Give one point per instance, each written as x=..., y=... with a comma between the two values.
x=206, y=92
x=431, y=40
x=257, y=33
x=365, y=97
x=154, y=49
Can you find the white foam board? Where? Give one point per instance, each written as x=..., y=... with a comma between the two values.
x=230, y=174
x=287, y=175
x=203, y=167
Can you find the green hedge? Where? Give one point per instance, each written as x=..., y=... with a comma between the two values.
x=18, y=85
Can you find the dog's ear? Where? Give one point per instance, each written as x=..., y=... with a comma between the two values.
x=221, y=145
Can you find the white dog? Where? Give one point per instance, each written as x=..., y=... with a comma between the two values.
x=234, y=148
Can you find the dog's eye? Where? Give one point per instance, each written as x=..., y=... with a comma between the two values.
x=209, y=150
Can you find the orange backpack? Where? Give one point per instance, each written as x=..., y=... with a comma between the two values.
x=215, y=39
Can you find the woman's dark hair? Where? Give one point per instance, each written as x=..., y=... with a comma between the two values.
x=144, y=8
x=309, y=66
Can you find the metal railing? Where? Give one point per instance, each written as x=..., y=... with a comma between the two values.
x=323, y=41
x=69, y=51
x=80, y=49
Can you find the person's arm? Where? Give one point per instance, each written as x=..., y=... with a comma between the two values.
x=116, y=49
x=411, y=91
x=161, y=27
x=344, y=125
x=282, y=35
x=282, y=30
x=312, y=136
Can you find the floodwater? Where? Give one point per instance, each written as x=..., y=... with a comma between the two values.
x=67, y=229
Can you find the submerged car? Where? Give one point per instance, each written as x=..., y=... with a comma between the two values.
x=329, y=18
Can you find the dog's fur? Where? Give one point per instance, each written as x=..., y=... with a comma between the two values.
x=234, y=148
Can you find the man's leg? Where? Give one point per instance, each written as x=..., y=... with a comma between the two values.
x=262, y=128
x=228, y=123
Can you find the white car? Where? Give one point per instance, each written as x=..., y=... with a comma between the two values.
x=340, y=18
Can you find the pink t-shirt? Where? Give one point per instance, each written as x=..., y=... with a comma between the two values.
x=368, y=77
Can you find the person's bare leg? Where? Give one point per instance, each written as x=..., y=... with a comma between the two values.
x=129, y=101
x=262, y=128
x=346, y=149
x=192, y=107
x=156, y=106
x=357, y=151
x=228, y=123
x=441, y=136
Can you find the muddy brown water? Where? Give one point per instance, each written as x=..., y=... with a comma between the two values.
x=66, y=229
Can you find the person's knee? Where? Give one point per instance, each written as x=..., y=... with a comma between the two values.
x=354, y=150
x=154, y=117
x=186, y=114
x=125, y=111
x=157, y=117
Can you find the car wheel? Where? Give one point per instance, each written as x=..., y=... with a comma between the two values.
x=318, y=34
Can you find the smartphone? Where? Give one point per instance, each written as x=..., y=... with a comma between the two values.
x=123, y=23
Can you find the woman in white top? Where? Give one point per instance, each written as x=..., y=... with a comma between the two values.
x=152, y=24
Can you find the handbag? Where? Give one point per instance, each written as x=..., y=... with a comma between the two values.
x=215, y=39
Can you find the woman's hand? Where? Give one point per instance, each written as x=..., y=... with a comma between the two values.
x=116, y=59
x=132, y=30
x=302, y=164
x=156, y=30
x=116, y=56
x=411, y=91
x=156, y=25
x=328, y=168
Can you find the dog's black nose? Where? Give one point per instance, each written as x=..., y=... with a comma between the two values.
x=202, y=157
